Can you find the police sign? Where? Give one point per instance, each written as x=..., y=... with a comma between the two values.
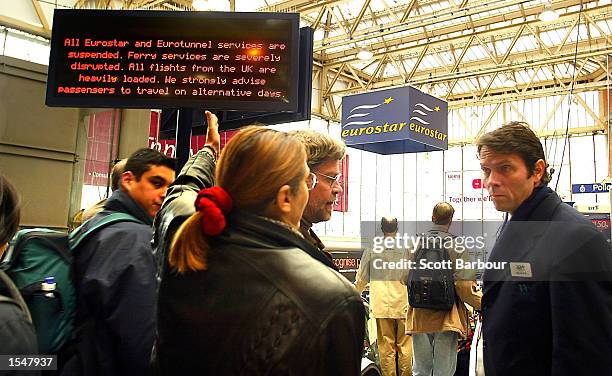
x=591, y=188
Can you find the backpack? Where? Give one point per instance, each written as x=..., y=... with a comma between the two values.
x=39, y=262
x=431, y=288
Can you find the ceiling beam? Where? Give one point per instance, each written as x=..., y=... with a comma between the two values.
x=409, y=9
x=317, y=21
x=514, y=40
x=357, y=20
x=41, y=15
x=490, y=13
x=20, y=25
x=523, y=60
x=441, y=35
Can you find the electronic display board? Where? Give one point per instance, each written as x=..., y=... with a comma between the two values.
x=236, y=119
x=158, y=59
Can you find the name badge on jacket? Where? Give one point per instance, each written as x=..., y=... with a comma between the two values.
x=521, y=269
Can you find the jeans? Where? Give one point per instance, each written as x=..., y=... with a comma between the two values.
x=434, y=354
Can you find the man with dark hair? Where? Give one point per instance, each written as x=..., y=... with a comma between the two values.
x=115, y=271
x=388, y=302
x=323, y=158
x=435, y=333
x=553, y=300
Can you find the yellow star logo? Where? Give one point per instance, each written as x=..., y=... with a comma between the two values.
x=437, y=109
x=388, y=100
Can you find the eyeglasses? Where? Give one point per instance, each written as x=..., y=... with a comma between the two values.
x=330, y=179
x=311, y=181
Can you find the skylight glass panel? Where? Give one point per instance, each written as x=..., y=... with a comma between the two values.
x=521, y=77
x=577, y=33
x=594, y=32
x=425, y=9
x=460, y=88
x=426, y=62
x=525, y=43
x=470, y=55
x=545, y=74
x=479, y=52
x=447, y=57
x=391, y=70
x=502, y=46
x=375, y=5
x=552, y=37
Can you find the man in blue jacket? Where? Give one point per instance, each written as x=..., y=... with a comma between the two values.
x=553, y=298
x=115, y=273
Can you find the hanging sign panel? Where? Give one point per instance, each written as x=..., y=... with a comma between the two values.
x=394, y=121
x=591, y=188
x=156, y=59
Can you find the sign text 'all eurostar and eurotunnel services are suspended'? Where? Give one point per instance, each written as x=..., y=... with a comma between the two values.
x=217, y=60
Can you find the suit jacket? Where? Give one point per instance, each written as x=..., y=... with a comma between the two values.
x=550, y=311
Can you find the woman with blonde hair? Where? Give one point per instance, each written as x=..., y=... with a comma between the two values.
x=242, y=292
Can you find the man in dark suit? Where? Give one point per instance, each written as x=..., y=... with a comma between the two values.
x=553, y=299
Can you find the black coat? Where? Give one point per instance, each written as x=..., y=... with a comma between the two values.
x=17, y=335
x=116, y=285
x=268, y=304
x=555, y=319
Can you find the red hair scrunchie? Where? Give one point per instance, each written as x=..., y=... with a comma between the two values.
x=214, y=204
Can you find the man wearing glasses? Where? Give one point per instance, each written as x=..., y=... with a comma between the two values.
x=324, y=156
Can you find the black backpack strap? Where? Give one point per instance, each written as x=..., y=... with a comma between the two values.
x=15, y=295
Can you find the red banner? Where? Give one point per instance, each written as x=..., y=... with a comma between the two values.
x=102, y=135
x=341, y=203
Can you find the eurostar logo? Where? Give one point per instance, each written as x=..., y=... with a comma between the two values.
x=395, y=115
x=364, y=111
x=424, y=112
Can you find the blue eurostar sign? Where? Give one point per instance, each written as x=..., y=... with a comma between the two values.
x=591, y=188
x=394, y=121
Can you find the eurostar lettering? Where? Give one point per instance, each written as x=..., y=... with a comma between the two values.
x=374, y=129
x=433, y=133
x=392, y=128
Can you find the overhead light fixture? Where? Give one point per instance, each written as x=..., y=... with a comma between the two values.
x=364, y=54
x=548, y=14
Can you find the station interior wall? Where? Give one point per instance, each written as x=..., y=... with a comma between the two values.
x=41, y=147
